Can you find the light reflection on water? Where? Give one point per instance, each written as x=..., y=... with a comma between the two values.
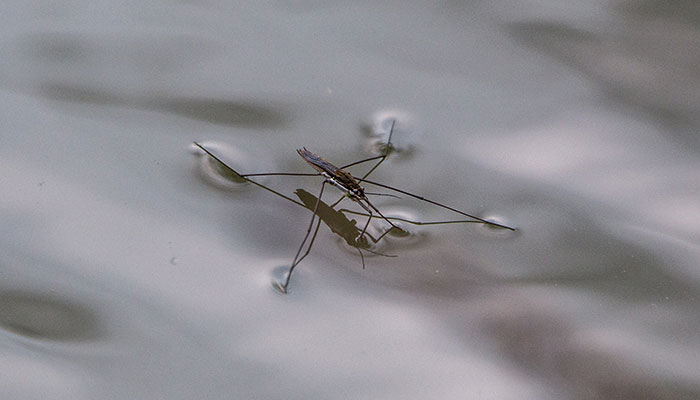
x=576, y=125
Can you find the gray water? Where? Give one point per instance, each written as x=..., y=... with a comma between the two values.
x=130, y=268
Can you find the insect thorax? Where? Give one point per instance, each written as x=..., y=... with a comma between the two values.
x=347, y=183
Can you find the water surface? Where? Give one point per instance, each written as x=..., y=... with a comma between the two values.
x=130, y=268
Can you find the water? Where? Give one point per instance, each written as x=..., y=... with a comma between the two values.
x=130, y=270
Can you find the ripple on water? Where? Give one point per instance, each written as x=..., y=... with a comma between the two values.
x=40, y=316
x=278, y=277
x=410, y=232
x=382, y=237
x=403, y=140
x=495, y=231
x=224, y=176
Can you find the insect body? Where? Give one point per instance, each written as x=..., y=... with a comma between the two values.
x=337, y=177
x=342, y=180
x=350, y=185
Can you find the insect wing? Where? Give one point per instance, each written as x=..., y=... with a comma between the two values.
x=319, y=163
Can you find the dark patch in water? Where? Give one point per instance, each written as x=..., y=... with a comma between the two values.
x=59, y=48
x=242, y=113
x=629, y=67
x=92, y=52
x=75, y=94
x=223, y=112
x=41, y=316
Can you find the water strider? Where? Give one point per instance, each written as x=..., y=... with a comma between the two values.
x=350, y=185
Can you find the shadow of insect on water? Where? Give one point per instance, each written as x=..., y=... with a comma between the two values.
x=339, y=224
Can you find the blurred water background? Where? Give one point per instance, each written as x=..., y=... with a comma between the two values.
x=130, y=270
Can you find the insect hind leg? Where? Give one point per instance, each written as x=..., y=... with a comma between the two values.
x=297, y=258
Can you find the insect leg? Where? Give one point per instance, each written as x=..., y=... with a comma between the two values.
x=245, y=176
x=386, y=151
x=297, y=260
x=362, y=256
x=436, y=203
x=338, y=202
x=366, y=223
x=383, y=156
x=361, y=161
x=306, y=253
x=278, y=174
x=378, y=212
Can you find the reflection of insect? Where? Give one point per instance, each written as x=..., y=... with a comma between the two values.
x=350, y=185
